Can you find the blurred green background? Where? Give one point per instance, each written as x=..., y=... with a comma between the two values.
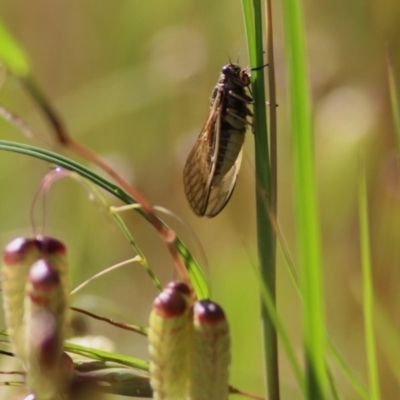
x=132, y=80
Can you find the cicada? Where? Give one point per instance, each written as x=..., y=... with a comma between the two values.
x=212, y=166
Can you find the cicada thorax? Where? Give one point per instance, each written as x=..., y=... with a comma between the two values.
x=212, y=166
x=233, y=122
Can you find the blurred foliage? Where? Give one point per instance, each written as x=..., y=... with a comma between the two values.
x=132, y=80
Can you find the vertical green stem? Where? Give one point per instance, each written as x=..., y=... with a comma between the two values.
x=265, y=232
x=394, y=97
x=272, y=108
x=305, y=199
x=368, y=296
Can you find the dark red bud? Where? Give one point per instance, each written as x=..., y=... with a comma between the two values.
x=180, y=287
x=43, y=275
x=170, y=304
x=51, y=246
x=17, y=250
x=208, y=312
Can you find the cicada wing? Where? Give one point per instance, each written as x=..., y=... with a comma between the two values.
x=200, y=165
x=195, y=181
x=221, y=191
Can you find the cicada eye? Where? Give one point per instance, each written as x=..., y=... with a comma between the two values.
x=226, y=69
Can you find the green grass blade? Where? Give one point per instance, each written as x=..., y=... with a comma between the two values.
x=249, y=24
x=17, y=62
x=389, y=338
x=12, y=54
x=120, y=222
x=276, y=320
x=111, y=379
x=101, y=355
x=196, y=274
x=355, y=382
x=394, y=97
x=305, y=199
x=265, y=233
x=122, y=226
x=368, y=297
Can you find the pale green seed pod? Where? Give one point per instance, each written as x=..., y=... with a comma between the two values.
x=47, y=288
x=169, y=342
x=18, y=257
x=209, y=375
x=45, y=314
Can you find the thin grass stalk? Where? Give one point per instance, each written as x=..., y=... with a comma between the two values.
x=389, y=337
x=305, y=199
x=394, y=97
x=368, y=296
x=197, y=277
x=12, y=54
x=265, y=232
x=272, y=109
x=17, y=61
x=348, y=372
x=385, y=324
x=284, y=338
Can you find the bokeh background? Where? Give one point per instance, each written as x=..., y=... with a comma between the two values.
x=132, y=80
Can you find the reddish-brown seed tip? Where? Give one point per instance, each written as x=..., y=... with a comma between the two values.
x=43, y=276
x=170, y=304
x=16, y=251
x=49, y=245
x=208, y=312
x=180, y=287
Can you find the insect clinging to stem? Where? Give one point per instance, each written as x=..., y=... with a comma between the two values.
x=211, y=169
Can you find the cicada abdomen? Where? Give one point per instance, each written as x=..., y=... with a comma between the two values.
x=18, y=257
x=211, y=169
x=46, y=307
x=210, y=353
x=169, y=342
